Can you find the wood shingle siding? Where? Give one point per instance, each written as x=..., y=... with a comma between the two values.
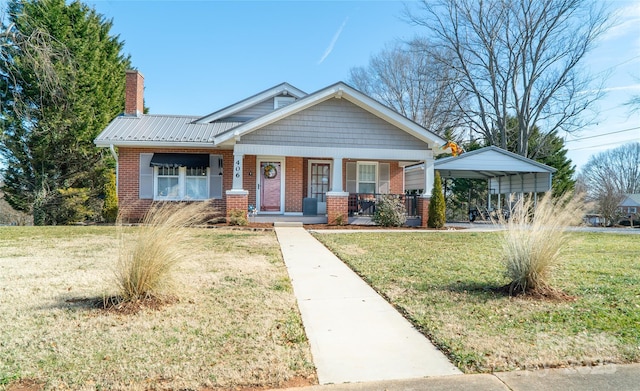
x=256, y=111
x=334, y=123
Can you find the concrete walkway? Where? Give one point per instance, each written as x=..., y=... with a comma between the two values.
x=355, y=335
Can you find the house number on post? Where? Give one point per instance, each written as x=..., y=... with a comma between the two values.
x=238, y=168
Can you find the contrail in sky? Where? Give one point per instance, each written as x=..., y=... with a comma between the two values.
x=333, y=41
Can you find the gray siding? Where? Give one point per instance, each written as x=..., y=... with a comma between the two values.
x=258, y=110
x=334, y=123
x=255, y=111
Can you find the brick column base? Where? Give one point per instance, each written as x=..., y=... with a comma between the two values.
x=423, y=210
x=337, y=208
x=237, y=199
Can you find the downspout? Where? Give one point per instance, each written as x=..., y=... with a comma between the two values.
x=112, y=149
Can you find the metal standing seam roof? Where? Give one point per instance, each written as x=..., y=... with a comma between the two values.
x=161, y=128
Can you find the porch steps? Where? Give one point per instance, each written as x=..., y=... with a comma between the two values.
x=287, y=224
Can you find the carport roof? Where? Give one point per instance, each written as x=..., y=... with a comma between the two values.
x=488, y=162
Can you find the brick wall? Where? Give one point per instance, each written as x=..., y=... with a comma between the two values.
x=134, y=93
x=337, y=210
x=423, y=210
x=236, y=201
x=131, y=207
x=249, y=173
x=294, y=190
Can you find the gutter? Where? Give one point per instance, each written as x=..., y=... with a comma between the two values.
x=112, y=149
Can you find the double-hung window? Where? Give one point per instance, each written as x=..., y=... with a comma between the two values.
x=168, y=183
x=367, y=177
x=182, y=183
x=196, y=183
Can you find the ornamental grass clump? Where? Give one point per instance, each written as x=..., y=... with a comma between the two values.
x=534, y=236
x=149, y=254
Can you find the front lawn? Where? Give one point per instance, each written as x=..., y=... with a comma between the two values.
x=236, y=323
x=448, y=284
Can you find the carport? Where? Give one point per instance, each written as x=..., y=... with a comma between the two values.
x=505, y=172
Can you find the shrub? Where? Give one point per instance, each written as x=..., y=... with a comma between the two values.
x=150, y=254
x=437, y=206
x=238, y=217
x=390, y=212
x=533, y=238
x=110, y=207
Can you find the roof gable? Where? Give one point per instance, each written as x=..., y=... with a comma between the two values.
x=631, y=200
x=339, y=90
x=280, y=89
x=491, y=158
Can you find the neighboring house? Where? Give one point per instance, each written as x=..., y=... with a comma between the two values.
x=630, y=205
x=280, y=150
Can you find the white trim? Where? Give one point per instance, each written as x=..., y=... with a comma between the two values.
x=237, y=192
x=158, y=144
x=350, y=153
x=337, y=194
x=281, y=160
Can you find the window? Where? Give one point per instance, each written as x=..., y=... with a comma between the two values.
x=182, y=183
x=367, y=177
x=168, y=182
x=196, y=183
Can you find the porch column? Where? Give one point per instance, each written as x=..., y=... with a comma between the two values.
x=429, y=173
x=337, y=208
x=237, y=197
x=237, y=171
x=425, y=199
x=336, y=185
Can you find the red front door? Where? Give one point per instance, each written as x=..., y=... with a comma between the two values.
x=270, y=186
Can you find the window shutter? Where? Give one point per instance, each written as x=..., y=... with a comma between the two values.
x=215, y=179
x=351, y=177
x=145, y=179
x=384, y=178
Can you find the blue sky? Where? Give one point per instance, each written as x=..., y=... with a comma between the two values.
x=200, y=56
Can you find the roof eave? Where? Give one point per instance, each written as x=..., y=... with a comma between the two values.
x=154, y=144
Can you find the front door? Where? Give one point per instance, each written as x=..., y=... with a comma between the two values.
x=319, y=183
x=270, y=186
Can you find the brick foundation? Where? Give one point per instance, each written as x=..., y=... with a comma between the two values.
x=338, y=208
x=423, y=210
x=237, y=200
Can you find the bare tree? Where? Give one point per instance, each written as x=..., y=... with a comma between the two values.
x=402, y=77
x=518, y=58
x=609, y=175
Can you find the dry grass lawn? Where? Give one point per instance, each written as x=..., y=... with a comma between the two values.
x=236, y=323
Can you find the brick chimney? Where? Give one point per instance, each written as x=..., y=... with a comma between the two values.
x=134, y=93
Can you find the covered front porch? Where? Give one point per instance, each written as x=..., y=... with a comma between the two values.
x=308, y=186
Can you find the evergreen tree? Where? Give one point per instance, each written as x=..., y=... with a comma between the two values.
x=549, y=149
x=437, y=207
x=51, y=115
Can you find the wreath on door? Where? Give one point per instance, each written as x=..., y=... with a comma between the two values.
x=270, y=171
